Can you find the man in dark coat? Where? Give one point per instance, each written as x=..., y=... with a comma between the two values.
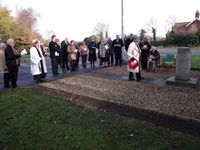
x=54, y=53
x=129, y=40
x=117, y=46
x=111, y=52
x=12, y=63
x=64, y=48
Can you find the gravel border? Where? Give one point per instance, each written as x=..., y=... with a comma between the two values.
x=163, y=120
x=176, y=101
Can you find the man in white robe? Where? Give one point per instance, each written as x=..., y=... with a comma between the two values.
x=134, y=57
x=38, y=62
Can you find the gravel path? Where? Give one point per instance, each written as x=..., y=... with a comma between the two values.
x=179, y=101
x=161, y=73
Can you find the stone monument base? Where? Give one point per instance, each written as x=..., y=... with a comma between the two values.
x=192, y=82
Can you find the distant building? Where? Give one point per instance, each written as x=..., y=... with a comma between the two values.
x=188, y=28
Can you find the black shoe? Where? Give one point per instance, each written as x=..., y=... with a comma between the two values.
x=42, y=80
x=55, y=74
x=131, y=79
x=14, y=87
x=6, y=87
x=38, y=81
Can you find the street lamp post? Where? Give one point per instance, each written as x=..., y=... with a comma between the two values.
x=122, y=19
x=124, y=56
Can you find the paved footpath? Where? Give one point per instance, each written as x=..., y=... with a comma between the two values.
x=26, y=79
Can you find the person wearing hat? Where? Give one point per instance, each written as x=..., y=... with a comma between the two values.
x=154, y=57
x=38, y=63
x=134, y=60
x=3, y=68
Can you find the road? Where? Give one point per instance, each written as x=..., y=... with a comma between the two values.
x=164, y=51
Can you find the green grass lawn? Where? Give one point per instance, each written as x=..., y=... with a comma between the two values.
x=30, y=121
x=195, y=63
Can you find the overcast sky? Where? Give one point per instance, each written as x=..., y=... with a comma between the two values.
x=77, y=18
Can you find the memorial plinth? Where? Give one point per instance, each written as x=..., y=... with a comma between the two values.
x=183, y=65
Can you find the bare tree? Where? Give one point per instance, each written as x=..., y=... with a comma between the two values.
x=49, y=33
x=170, y=22
x=152, y=26
x=142, y=34
x=101, y=30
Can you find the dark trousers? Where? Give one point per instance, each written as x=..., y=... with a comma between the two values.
x=84, y=61
x=118, y=58
x=110, y=60
x=11, y=76
x=65, y=63
x=144, y=59
x=92, y=64
x=6, y=79
x=39, y=77
x=55, y=61
x=73, y=64
x=131, y=76
x=77, y=62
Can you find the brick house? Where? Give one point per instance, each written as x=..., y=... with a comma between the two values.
x=188, y=28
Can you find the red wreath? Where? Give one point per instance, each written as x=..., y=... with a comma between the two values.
x=133, y=63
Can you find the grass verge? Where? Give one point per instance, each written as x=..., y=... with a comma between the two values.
x=32, y=121
x=195, y=62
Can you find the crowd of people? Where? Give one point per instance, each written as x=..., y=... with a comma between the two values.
x=66, y=55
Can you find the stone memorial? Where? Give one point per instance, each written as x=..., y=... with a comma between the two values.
x=183, y=65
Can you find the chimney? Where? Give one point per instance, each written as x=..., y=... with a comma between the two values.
x=197, y=15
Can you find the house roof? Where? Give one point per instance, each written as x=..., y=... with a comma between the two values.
x=185, y=24
x=192, y=22
x=181, y=24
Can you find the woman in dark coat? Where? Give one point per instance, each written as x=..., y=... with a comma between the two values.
x=145, y=47
x=92, y=53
